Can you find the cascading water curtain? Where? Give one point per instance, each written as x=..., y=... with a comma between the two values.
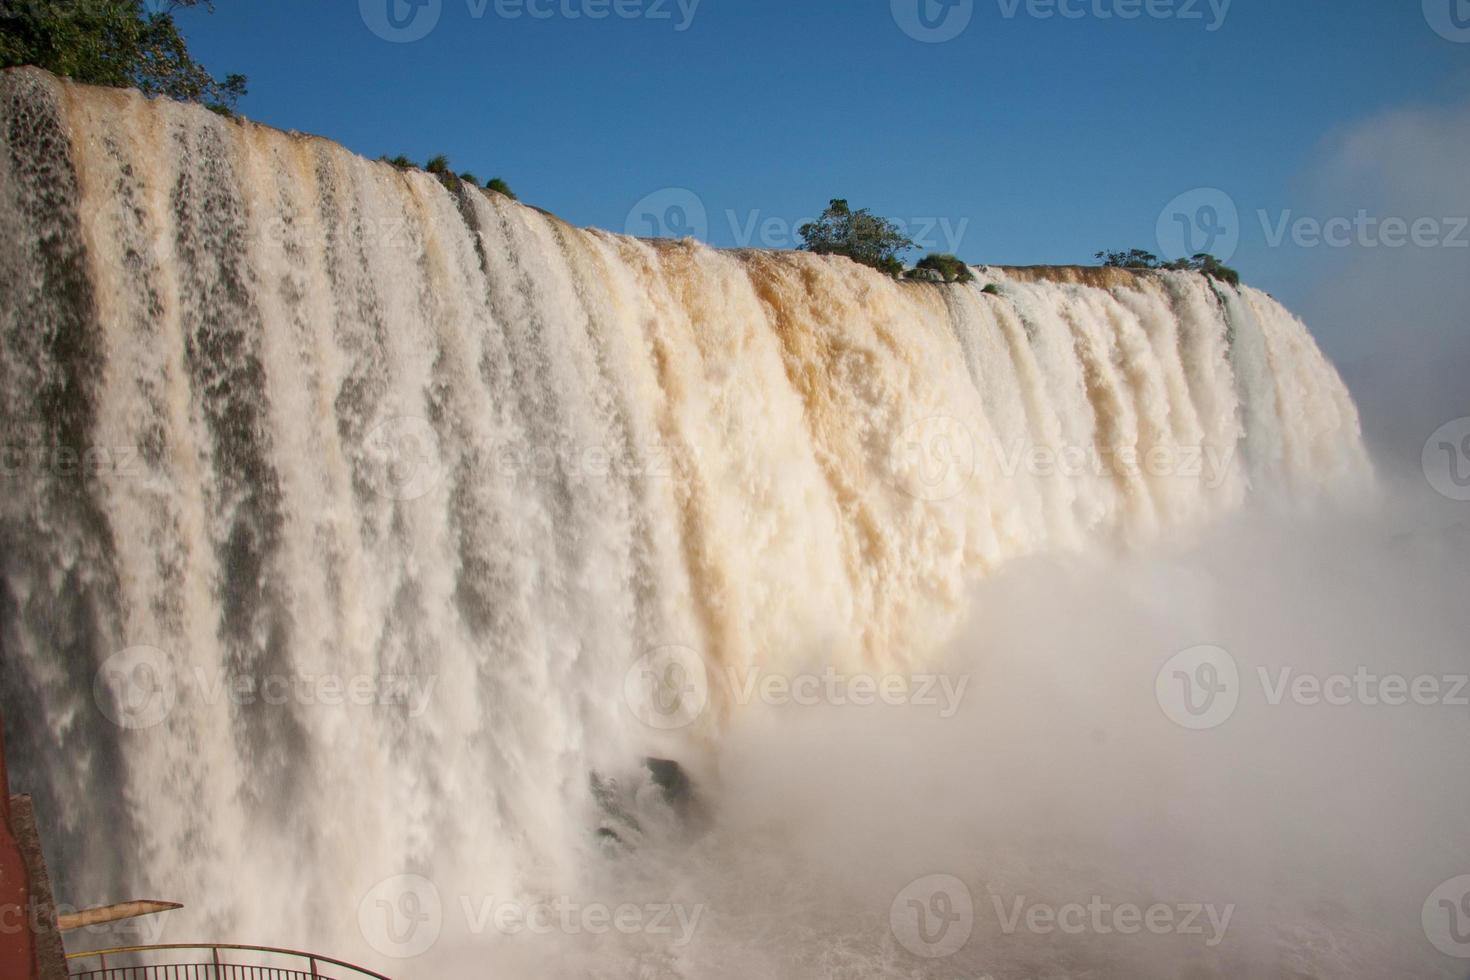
x=281, y=422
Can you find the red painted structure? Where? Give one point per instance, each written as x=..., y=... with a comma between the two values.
x=17, y=944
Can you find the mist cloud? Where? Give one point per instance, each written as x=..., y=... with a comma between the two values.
x=1397, y=320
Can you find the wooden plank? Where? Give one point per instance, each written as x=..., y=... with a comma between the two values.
x=112, y=913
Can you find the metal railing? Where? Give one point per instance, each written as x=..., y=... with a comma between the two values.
x=211, y=961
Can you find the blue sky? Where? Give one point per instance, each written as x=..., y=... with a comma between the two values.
x=1023, y=139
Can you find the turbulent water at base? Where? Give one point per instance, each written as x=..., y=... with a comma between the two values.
x=274, y=412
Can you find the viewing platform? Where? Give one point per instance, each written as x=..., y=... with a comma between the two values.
x=183, y=961
x=37, y=950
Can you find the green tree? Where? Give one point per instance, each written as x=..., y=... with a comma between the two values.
x=500, y=187
x=120, y=43
x=1208, y=265
x=1135, y=258
x=860, y=235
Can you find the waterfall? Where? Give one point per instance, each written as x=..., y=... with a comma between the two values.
x=380, y=493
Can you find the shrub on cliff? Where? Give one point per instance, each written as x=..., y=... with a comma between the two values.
x=946, y=267
x=923, y=275
x=1206, y=265
x=1212, y=267
x=118, y=43
x=860, y=235
x=439, y=167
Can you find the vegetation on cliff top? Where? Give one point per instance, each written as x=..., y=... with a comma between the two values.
x=939, y=267
x=439, y=167
x=860, y=235
x=133, y=44
x=119, y=43
x=1203, y=263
